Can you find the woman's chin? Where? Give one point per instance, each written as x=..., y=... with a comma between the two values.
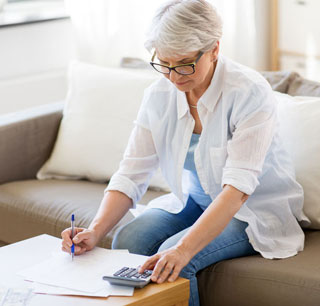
x=183, y=86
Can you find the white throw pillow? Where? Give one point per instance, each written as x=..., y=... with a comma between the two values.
x=300, y=126
x=98, y=116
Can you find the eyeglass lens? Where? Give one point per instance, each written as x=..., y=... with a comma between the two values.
x=182, y=69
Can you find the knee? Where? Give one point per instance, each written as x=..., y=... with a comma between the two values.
x=130, y=238
x=167, y=244
x=123, y=238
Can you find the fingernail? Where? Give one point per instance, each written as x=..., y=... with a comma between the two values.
x=76, y=239
x=154, y=278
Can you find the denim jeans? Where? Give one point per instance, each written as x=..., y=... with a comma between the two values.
x=156, y=230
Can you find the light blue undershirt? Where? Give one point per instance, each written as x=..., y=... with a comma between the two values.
x=195, y=190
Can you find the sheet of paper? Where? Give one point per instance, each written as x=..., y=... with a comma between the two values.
x=14, y=296
x=84, y=273
x=105, y=292
x=3, y=292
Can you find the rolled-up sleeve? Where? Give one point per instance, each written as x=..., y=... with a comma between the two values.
x=139, y=162
x=254, y=120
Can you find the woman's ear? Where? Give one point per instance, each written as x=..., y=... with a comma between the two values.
x=215, y=52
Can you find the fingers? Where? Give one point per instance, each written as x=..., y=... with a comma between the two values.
x=149, y=263
x=83, y=241
x=65, y=250
x=175, y=274
x=77, y=250
x=81, y=236
x=67, y=241
x=66, y=238
x=162, y=271
x=168, y=265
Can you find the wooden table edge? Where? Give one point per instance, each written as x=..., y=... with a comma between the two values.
x=166, y=294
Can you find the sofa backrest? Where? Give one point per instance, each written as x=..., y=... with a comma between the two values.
x=26, y=140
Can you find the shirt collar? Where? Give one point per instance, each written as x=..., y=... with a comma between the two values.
x=214, y=91
x=182, y=104
x=210, y=97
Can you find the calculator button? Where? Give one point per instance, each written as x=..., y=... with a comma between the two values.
x=132, y=273
x=127, y=272
x=120, y=271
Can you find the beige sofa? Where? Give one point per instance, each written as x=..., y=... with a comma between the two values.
x=30, y=207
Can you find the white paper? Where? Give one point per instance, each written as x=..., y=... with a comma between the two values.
x=84, y=273
x=14, y=296
x=107, y=291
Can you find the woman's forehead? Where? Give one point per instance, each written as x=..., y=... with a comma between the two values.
x=176, y=57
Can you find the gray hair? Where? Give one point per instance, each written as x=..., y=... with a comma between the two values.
x=184, y=26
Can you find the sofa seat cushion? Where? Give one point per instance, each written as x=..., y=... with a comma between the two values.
x=254, y=280
x=33, y=207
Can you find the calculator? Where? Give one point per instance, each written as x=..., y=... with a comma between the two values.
x=129, y=277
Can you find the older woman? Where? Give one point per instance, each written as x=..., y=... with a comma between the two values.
x=211, y=126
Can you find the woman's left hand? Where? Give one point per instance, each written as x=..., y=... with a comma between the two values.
x=167, y=262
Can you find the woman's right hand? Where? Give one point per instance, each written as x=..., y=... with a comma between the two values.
x=84, y=240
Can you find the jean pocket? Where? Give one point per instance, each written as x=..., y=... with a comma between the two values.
x=218, y=157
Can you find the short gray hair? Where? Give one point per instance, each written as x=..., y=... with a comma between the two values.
x=184, y=26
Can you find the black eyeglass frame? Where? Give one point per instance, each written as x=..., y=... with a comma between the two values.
x=193, y=65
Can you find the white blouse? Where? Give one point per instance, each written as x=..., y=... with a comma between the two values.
x=239, y=145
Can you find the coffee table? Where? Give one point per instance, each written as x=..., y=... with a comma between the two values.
x=17, y=256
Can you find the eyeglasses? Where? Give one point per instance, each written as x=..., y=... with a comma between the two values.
x=184, y=69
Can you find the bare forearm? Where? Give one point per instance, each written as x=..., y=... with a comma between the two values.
x=113, y=207
x=213, y=221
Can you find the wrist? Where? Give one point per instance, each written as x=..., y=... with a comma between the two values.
x=183, y=247
x=97, y=230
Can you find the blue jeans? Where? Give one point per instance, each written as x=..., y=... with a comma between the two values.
x=156, y=230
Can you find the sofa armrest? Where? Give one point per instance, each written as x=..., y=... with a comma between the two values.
x=26, y=140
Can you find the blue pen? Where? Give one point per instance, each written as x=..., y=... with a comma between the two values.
x=72, y=235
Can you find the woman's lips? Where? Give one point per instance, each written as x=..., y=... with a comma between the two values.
x=181, y=83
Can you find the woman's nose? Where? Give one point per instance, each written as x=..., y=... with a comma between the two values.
x=174, y=76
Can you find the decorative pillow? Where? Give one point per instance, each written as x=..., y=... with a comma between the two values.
x=300, y=117
x=303, y=87
x=98, y=116
x=280, y=80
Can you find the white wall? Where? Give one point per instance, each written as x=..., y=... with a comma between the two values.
x=110, y=30
x=34, y=57
x=33, y=63
x=246, y=31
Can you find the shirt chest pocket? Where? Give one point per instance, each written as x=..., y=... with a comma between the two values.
x=218, y=157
